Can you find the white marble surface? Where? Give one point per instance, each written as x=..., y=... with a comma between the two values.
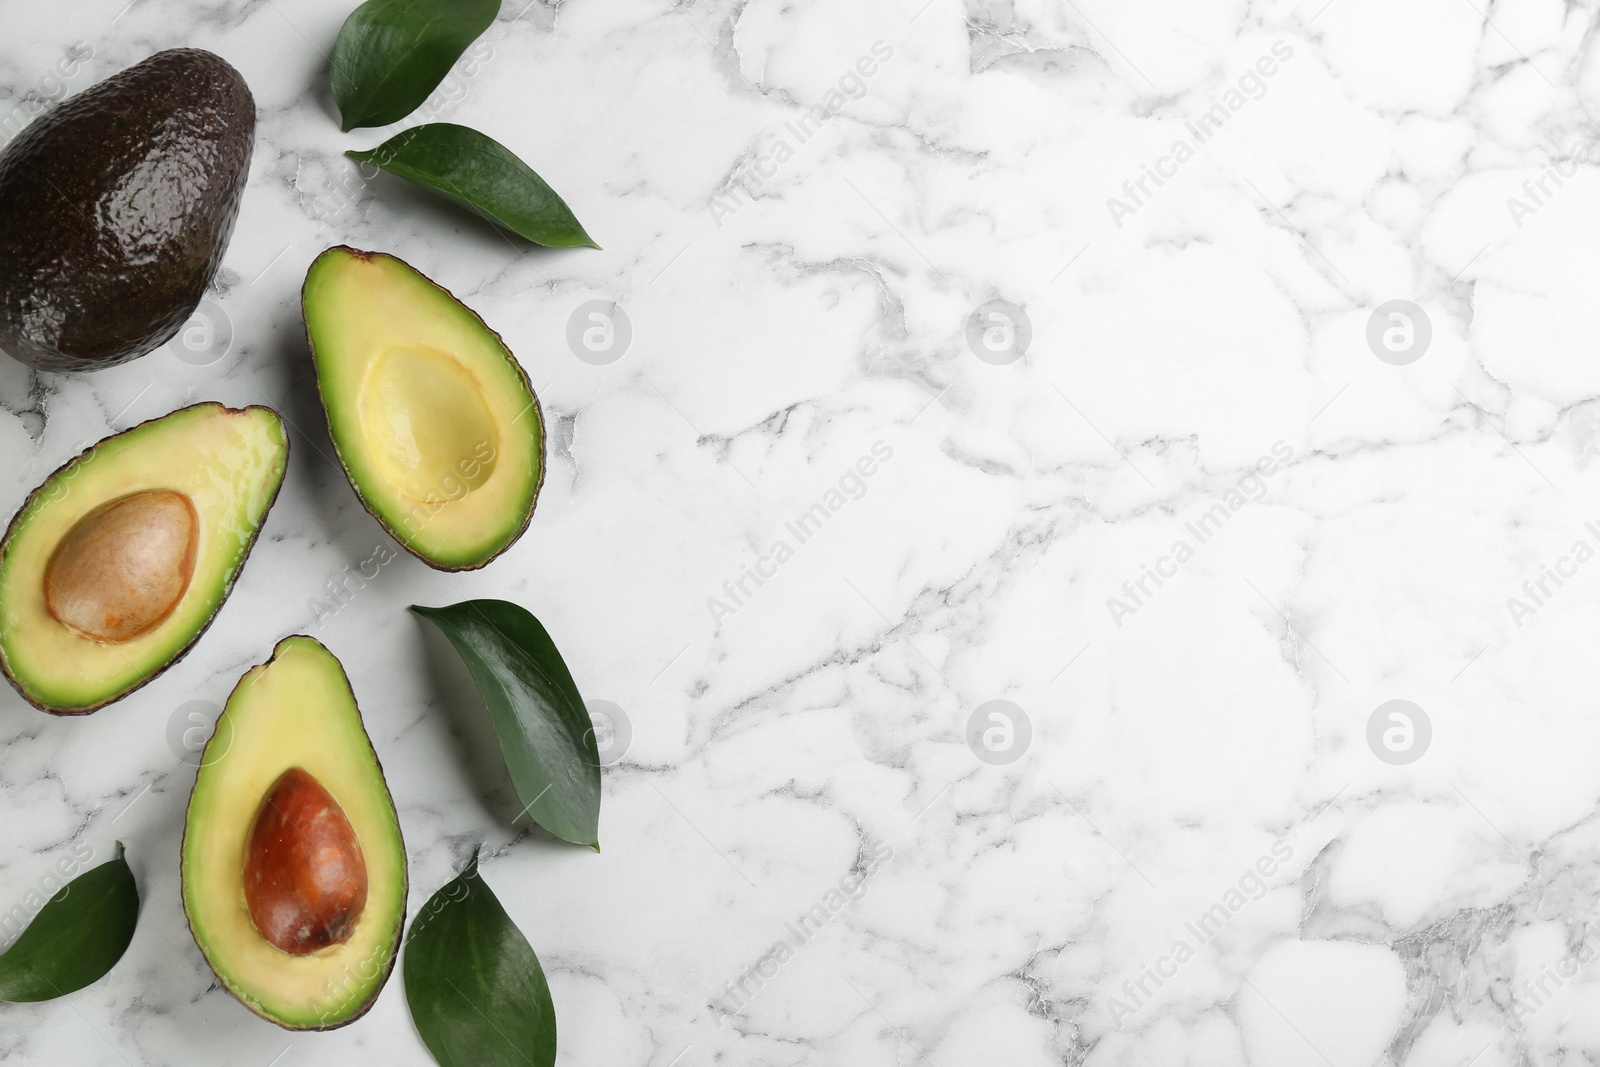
x=795, y=299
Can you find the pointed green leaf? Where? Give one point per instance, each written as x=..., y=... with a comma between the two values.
x=475, y=988
x=483, y=174
x=544, y=730
x=390, y=54
x=77, y=937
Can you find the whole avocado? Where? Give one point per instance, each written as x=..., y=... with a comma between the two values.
x=116, y=207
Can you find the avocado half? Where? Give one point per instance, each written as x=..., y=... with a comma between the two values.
x=119, y=561
x=116, y=208
x=294, y=870
x=433, y=419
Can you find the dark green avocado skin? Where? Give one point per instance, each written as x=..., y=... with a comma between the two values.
x=116, y=207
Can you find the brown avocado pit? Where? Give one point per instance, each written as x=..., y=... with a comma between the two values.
x=305, y=878
x=123, y=567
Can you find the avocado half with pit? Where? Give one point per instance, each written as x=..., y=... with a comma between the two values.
x=294, y=870
x=432, y=418
x=116, y=565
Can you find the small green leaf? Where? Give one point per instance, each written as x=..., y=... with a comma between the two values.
x=483, y=174
x=77, y=937
x=544, y=730
x=475, y=988
x=391, y=54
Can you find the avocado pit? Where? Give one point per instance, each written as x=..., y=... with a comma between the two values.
x=305, y=878
x=122, y=568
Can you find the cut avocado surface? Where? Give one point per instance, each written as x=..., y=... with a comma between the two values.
x=120, y=560
x=294, y=870
x=434, y=421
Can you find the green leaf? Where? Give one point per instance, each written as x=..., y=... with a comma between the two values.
x=483, y=174
x=476, y=991
x=545, y=732
x=77, y=937
x=391, y=54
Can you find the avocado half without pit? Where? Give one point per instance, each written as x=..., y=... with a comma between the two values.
x=294, y=870
x=433, y=419
x=120, y=560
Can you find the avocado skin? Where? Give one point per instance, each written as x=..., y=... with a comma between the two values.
x=116, y=208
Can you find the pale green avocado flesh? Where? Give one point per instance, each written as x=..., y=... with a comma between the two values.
x=294, y=711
